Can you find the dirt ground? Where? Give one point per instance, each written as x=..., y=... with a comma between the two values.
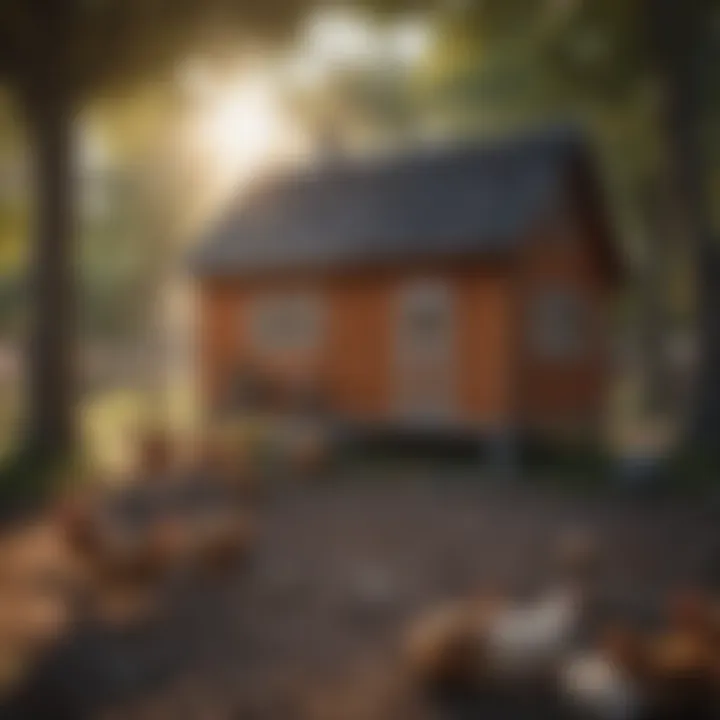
x=309, y=629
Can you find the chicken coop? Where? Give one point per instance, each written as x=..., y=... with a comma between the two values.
x=456, y=287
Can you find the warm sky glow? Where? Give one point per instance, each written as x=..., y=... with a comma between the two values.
x=241, y=123
x=241, y=126
x=344, y=38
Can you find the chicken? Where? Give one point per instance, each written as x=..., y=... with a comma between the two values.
x=683, y=658
x=224, y=540
x=155, y=452
x=78, y=524
x=509, y=640
x=32, y=616
x=445, y=648
x=169, y=543
x=37, y=597
x=121, y=556
x=125, y=545
x=610, y=682
x=528, y=640
x=600, y=689
x=127, y=575
x=672, y=674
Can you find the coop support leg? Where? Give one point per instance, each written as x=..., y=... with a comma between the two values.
x=505, y=454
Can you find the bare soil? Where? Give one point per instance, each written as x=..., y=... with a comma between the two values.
x=309, y=630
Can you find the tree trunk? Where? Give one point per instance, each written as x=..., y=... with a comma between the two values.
x=50, y=367
x=658, y=396
x=684, y=124
x=704, y=430
x=679, y=33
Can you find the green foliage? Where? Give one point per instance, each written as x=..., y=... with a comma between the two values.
x=100, y=46
x=27, y=480
x=505, y=63
x=13, y=221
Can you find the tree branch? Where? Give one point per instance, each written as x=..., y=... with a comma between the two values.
x=121, y=41
x=16, y=40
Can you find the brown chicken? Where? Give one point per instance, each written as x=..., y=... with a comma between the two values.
x=156, y=454
x=445, y=648
x=224, y=540
x=76, y=519
x=127, y=575
x=37, y=595
x=683, y=659
x=609, y=682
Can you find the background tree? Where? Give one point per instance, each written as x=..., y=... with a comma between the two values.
x=55, y=57
x=640, y=75
x=684, y=49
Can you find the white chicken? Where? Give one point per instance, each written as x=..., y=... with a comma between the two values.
x=611, y=681
x=501, y=639
x=529, y=639
x=493, y=639
x=599, y=688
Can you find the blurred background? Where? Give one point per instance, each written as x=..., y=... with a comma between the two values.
x=127, y=127
x=166, y=114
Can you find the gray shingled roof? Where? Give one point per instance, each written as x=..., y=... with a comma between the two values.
x=437, y=202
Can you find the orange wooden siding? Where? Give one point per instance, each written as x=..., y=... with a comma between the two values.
x=497, y=380
x=486, y=356
x=566, y=394
x=357, y=361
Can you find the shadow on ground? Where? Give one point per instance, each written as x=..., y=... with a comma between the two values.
x=339, y=569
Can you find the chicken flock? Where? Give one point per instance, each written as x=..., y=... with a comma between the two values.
x=110, y=555
x=608, y=670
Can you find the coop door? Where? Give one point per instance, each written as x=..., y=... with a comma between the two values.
x=424, y=358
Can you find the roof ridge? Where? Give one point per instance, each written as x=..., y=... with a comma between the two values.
x=460, y=197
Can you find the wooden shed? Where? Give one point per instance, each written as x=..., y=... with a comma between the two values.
x=462, y=287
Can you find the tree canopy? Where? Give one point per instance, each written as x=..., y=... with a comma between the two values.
x=55, y=57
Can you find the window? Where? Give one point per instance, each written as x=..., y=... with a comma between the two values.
x=287, y=322
x=557, y=324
